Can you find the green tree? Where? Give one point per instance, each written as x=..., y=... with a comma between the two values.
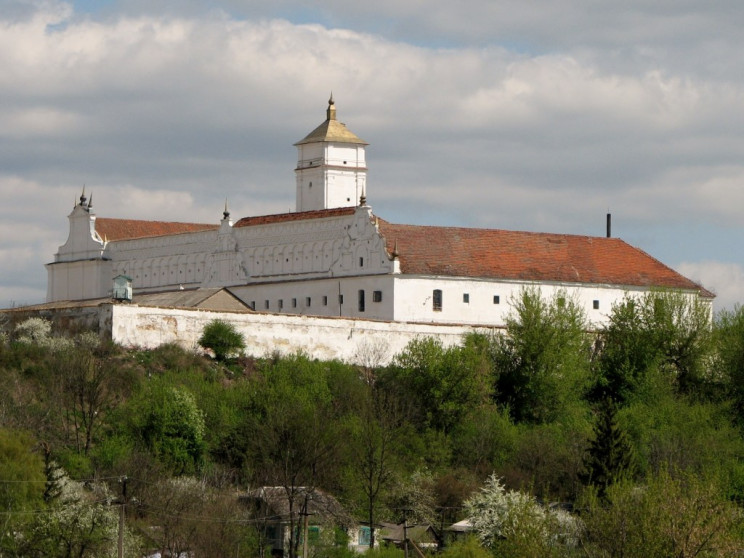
x=168, y=423
x=665, y=331
x=222, y=338
x=542, y=362
x=729, y=352
x=671, y=516
x=610, y=454
x=443, y=382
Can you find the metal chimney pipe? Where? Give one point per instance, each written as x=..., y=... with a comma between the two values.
x=609, y=225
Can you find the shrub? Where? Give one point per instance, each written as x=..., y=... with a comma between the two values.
x=222, y=339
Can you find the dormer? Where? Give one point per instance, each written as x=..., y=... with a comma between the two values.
x=331, y=167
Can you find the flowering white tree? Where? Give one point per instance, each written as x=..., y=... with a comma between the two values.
x=498, y=515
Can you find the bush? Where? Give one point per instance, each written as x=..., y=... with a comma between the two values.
x=222, y=339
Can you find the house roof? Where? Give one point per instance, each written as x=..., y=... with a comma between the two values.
x=298, y=216
x=129, y=229
x=527, y=256
x=331, y=130
x=319, y=503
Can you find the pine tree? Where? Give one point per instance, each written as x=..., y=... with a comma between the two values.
x=610, y=455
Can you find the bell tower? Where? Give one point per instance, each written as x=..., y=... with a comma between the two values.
x=331, y=167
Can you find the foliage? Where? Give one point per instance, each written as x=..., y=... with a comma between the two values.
x=670, y=516
x=668, y=331
x=610, y=455
x=222, y=338
x=729, y=361
x=509, y=519
x=38, y=331
x=468, y=547
x=80, y=522
x=542, y=363
x=22, y=471
x=167, y=421
x=443, y=381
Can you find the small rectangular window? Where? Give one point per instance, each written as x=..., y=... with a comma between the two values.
x=361, y=262
x=496, y=299
x=253, y=304
x=376, y=296
x=340, y=299
x=281, y=304
x=308, y=300
x=595, y=305
x=361, y=300
x=325, y=301
x=266, y=304
x=466, y=297
x=294, y=303
x=365, y=536
x=437, y=300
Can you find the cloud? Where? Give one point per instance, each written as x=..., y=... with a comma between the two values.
x=725, y=279
x=165, y=109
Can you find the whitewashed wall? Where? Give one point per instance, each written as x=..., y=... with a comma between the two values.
x=413, y=299
x=365, y=342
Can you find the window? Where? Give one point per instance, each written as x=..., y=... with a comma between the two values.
x=595, y=305
x=365, y=536
x=340, y=299
x=361, y=300
x=466, y=298
x=376, y=296
x=325, y=301
x=253, y=304
x=496, y=299
x=361, y=262
x=280, y=304
x=266, y=304
x=307, y=301
x=437, y=300
x=294, y=303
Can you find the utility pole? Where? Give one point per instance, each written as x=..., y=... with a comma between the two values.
x=405, y=532
x=123, y=481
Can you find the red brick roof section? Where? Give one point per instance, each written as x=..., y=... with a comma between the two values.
x=128, y=229
x=526, y=256
x=299, y=216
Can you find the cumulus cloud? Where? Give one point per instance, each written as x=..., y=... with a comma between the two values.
x=164, y=110
x=725, y=280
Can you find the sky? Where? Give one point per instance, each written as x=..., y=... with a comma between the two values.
x=537, y=116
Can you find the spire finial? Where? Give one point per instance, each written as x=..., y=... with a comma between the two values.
x=90, y=201
x=226, y=213
x=331, y=112
x=83, y=199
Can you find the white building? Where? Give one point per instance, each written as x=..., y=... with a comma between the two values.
x=335, y=257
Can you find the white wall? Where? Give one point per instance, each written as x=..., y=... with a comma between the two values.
x=357, y=341
x=413, y=299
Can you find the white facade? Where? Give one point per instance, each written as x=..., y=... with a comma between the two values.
x=331, y=258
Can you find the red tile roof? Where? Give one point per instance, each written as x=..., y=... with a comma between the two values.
x=526, y=256
x=128, y=229
x=298, y=216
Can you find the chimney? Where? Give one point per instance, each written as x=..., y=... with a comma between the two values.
x=609, y=225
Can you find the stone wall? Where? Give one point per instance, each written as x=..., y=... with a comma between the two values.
x=364, y=342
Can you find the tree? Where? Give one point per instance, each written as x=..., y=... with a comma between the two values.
x=729, y=361
x=293, y=432
x=167, y=421
x=514, y=524
x=660, y=330
x=610, y=455
x=376, y=432
x=444, y=382
x=672, y=515
x=542, y=362
x=221, y=338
